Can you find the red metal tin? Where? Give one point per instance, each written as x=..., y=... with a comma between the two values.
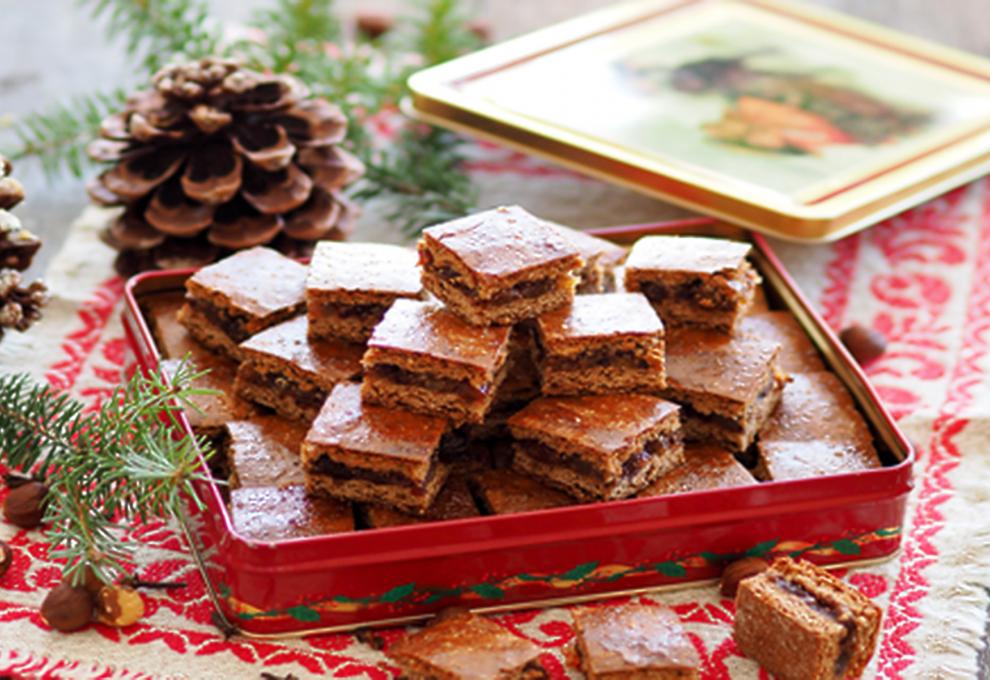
x=565, y=554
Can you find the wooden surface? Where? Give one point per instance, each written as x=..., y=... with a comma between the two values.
x=53, y=50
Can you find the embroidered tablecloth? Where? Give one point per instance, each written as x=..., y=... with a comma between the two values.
x=922, y=278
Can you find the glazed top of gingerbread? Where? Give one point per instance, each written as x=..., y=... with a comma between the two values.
x=815, y=406
x=258, y=281
x=367, y=267
x=695, y=254
x=429, y=329
x=732, y=367
x=330, y=360
x=264, y=451
x=797, y=353
x=463, y=645
x=594, y=316
x=609, y=423
x=633, y=637
x=705, y=466
x=348, y=423
x=591, y=246
x=507, y=492
x=502, y=242
x=269, y=513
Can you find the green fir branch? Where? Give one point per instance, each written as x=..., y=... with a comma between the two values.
x=423, y=179
x=157, y=31
x=122, y=463
x=295, y=31
x=438, y=31
x=58, y=138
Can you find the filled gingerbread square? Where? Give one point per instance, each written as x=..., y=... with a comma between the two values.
x=423, y=358
x=601, y=259
x=351, y=285
x=692, y=280
x=800, y=622
x=279, y=513
x=460, y=645
x=362, y=452
x=503, y=492
x=705, y=467
x=453, y=502
x=498, y=267
x=601, y=344
x=264, y=451
x=727, y=385
x=642, y=641
x=228, y=302
x=816, y=430
x=283, y=369
x=597, y=447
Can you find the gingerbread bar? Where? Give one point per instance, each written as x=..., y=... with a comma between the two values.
x=599, y=447
x=274, y=513
x=427, y=360
x=815, y=431
x=693, y=281
x=798, y=621
x=369, y=453
x=727, y=385
x=498, y=267
x=705, y=467
x=351, y=285
x=231, y=300
x=797, y=353
x=602, y=344
x=284, y=369
x=463, y=646
x=453, y=502
x=264, y=451
x=503, y=492
x=642, y=641
x=601, y=259
x=211, y=411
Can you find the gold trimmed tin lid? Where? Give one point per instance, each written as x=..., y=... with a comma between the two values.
x=796, y=122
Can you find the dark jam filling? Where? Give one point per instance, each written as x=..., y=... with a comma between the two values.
x=630, y=467
x=324, y=466
x=695, y=291
x=345, y=311
x=522, y=290
x=393, y=373
x=839, y=616
x=234, y=327
x=602, y=356
x=305, y=398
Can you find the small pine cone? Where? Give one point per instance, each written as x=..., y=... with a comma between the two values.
x=17, y=245
x=216, y=158
x=19, y=306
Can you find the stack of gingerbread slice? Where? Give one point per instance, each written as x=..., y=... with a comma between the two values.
x=510, y=365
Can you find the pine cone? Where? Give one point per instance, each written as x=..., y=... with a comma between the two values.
x=216, y=158
x=19, y=306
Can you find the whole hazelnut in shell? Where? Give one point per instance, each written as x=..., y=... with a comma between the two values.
x=67, y=607
x=25, y=505
x=736, y=572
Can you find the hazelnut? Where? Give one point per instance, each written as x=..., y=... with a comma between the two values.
x=865, y=344
x=6, y=557
x=740, y=570
x=481, y=30
x=25, y=505
x=118, y=606
x=67, y=607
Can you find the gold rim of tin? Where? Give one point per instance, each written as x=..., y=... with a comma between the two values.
x=945, y=160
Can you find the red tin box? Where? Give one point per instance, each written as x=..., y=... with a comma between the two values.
x=394, y=575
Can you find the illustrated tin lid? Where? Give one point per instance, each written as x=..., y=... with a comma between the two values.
x=792, y=121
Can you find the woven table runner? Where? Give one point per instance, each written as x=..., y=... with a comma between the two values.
x=922, y=278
